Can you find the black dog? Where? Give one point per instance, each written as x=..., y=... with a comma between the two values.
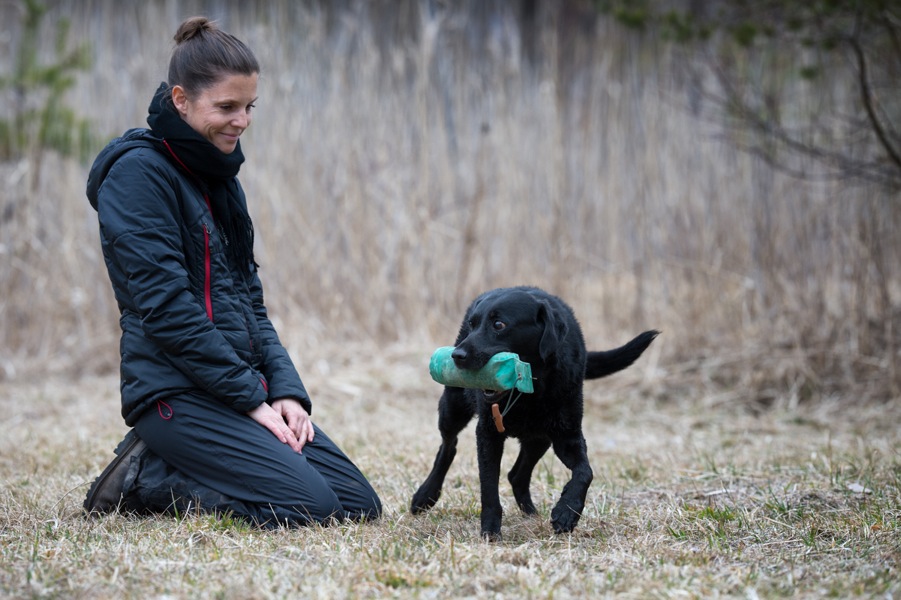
x=543, y=331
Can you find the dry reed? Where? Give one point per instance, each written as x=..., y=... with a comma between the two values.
x=401, y=162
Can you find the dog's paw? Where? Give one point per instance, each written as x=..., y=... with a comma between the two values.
x=423, y=500
x=564, y=519
x=491, y=525
x=492, y=536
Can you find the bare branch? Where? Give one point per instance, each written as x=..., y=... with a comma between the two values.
x=866, y=96
x=839, y=164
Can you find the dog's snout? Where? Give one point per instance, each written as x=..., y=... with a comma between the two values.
x=459, y=355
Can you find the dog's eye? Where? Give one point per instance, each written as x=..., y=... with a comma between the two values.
x=498, y=325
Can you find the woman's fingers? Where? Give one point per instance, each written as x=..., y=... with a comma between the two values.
x=297, y=418
x=266, y=416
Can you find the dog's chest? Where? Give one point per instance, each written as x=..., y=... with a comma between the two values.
x=524, y=418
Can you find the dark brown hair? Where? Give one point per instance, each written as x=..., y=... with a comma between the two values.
x=204, y=54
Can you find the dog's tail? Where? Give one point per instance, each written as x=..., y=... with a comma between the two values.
x=601, y=364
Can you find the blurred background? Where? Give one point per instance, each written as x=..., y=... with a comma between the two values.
x=728, y=174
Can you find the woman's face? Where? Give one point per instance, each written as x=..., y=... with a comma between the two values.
x=221, y=112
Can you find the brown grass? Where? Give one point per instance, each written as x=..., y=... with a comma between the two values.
x=695, y=498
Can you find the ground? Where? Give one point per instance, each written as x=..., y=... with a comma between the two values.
x=697, y=493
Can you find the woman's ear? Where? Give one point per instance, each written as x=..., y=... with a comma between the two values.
x=180, y=100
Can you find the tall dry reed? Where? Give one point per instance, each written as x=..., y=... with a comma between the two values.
x=404, y=158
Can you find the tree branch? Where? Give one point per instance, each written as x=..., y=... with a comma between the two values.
x=867, y=98
x=840, y=164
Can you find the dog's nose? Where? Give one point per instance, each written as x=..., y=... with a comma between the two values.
x=459, y=355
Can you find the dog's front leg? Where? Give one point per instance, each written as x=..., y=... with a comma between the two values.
x=455, y=410
x=573, y=452
x=490, y=449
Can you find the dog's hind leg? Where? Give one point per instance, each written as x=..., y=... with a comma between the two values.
x=573, y=452
x=455, y=411
x=520, y=476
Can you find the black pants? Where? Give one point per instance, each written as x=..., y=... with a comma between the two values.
x=204, y=455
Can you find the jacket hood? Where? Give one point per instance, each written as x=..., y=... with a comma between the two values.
x=133, y=138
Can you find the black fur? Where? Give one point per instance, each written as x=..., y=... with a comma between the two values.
x=543, y=331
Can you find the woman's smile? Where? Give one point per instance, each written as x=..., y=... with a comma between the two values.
x=221, y=112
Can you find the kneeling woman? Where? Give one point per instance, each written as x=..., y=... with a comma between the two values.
x=220, y=417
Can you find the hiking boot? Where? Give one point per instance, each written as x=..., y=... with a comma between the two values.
x=106, y=492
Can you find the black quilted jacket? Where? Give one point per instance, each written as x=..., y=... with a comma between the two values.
x=191, y=322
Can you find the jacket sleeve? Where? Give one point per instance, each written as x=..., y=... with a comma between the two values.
x=279, y=369
x=140, y=219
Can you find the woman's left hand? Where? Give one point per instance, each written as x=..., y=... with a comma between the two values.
x=296, y=417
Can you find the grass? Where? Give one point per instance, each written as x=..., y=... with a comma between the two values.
x=401, y=162
x=689, y=500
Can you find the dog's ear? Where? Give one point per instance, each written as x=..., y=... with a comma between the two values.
x=554, y=331
x=465, y=328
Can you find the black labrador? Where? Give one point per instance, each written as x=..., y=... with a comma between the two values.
x=543, y=331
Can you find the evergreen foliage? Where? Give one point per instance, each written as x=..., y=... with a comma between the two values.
x=38, y=118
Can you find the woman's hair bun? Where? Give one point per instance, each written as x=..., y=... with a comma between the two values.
x=203, y=54
x=192, y=27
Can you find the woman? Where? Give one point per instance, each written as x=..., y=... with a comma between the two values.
x=220, y=417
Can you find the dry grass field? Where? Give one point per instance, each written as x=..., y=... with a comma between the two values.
x=402, y=159
x=694, y=496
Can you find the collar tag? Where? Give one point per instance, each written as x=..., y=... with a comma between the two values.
x=498, y=418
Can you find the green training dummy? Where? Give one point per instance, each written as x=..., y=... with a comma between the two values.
x=504, y=371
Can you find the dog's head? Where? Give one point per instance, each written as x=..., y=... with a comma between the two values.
x=514, y=320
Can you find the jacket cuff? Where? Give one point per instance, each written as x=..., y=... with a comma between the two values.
x=303, y=400
x=259, y=396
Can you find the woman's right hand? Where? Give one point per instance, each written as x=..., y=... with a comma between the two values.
x=266, y=416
